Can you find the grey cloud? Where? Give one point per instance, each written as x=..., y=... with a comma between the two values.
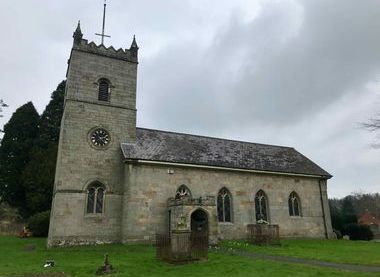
x=257, y=71
x=292, y=75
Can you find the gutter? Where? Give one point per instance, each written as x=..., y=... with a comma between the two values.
x=224, y=168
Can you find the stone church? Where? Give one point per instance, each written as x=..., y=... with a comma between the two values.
x=116, y=182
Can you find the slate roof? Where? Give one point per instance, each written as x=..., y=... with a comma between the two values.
x=163, y=146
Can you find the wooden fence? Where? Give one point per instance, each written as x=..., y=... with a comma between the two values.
x=10, y=228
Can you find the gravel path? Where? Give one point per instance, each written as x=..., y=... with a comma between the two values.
x=350, y=267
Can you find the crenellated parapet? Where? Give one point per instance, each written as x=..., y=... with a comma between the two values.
x=83, y=45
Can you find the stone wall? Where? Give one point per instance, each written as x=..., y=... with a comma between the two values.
x=149, y=186
x=79, y=163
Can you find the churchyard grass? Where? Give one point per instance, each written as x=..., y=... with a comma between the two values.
x=25, y=257
x=338, y=251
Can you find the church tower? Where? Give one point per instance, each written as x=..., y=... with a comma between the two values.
x=99, y=115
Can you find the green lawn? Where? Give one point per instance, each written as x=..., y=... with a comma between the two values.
x=339, y=251
x=138, y=260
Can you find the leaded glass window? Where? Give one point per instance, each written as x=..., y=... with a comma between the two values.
x=99, y=200
x=104, y=90
x=95, y=198
x=224, y=205
x=90, y=200
x=261, y=206
x=294, y=205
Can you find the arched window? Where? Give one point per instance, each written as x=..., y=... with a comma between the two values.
x=224, y=205
x=294, y=205
x=182, y=191
x=261, y=206
x=104, y=90
x=95, y=198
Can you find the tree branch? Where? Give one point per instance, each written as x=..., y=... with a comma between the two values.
x=372, y=125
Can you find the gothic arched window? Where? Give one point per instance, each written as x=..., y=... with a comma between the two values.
x=294, y=205
x=104, y=90
x=95, y=198
x=261, y=206
x=182, y=191
x=224, y=205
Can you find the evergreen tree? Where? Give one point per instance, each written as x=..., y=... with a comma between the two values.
x=38, y=179
x=335, y=212
x=38, y=175
x=348, y=211
x=51, y=118
x=20, y=134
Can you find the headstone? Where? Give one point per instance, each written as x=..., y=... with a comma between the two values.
x=106, y=268
x=180, y=244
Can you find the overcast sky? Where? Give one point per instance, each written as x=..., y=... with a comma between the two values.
x=296, y=73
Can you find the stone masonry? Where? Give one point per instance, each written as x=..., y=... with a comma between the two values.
x=139, y=193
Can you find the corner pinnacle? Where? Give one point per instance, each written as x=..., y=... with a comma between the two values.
x=78, y=34
x=134, y=44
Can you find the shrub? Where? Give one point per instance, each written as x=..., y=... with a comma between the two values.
x=38, y=224
x=358, y=232
x=9, y=213
x=338, y=234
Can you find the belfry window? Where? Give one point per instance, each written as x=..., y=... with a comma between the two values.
x=261, y=206
x=294, y=205
x=182, y=191
x=224, y=206
x=95, y=198
x=104, y=90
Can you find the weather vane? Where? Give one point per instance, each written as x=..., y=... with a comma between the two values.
x=104, y=23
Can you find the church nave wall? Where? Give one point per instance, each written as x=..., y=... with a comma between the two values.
x=149, y=187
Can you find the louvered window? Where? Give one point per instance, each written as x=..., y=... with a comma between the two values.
x=104, y=90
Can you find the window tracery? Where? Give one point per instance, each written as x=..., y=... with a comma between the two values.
x=294, y=204
x=182, y=191
x=261, y=206
x=95, y=198
x=224, y=205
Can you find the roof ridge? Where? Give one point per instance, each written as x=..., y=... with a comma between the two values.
x=224, y=139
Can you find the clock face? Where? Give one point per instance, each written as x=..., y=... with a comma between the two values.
x=100, y=137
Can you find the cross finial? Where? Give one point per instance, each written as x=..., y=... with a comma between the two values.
x=104, y=23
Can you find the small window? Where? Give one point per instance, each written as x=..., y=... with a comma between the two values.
x=294, y=205
x=261, y=206
x=104, y=90
x=224, y=205
x=182, y=191
x=95, y=198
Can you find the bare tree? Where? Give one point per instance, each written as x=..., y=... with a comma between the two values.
x=373, y=124
x=2, y=105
